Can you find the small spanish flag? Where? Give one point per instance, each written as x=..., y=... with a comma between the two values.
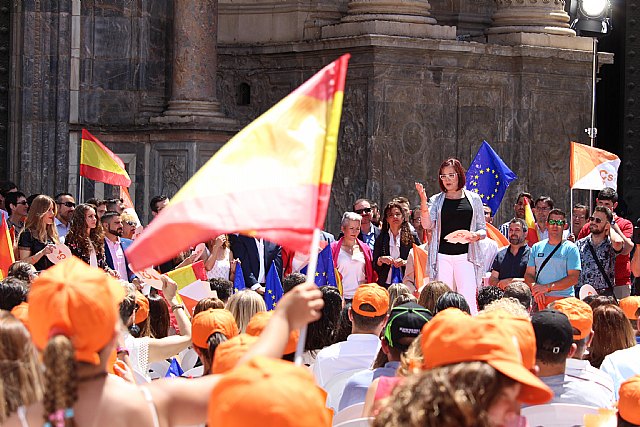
x=532, y=234
x=98, y=163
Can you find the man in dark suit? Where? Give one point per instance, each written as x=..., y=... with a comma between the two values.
x=115, y=245
x=256, y=256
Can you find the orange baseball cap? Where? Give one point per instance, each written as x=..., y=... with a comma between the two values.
x=207, y=322
x=522, y=329
x=276, y=382
x=21, y=312
x=228, y=353
x=143, y=308
x=78, y=301
x=259, y=321
x=629, y=402
x=579, y=313
x=374, y=295
x=630, y=306
x=454, y=337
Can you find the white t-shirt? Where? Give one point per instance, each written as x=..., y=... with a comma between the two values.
x=357, y=352
x=351, y=267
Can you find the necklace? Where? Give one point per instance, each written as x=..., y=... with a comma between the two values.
x=92, y=377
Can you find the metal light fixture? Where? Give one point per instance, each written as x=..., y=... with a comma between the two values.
x=591, y=18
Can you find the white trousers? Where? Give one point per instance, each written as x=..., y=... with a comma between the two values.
x=457, y=272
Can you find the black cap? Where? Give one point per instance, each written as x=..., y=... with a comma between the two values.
x=405, y=320
x=554, y=333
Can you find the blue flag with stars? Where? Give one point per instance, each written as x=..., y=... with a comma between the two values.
x=396, y=275
x=273, y=288
x=489, y=177
x=325, y=270
x=175, y=370
x=238, y=280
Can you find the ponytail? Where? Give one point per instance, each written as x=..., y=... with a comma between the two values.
x=214, y=340
x=60, y=382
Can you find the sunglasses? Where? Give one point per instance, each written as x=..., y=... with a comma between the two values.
x=556, y=222
x=596, y=220
x=363, y=211
x=22, y=203
x=449, y=176
x=68, y=204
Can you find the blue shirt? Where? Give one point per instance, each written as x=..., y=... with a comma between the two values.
x=356, y=388
x=566, y=258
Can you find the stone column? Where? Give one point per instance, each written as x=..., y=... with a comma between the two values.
x=409, y=11
x=531, y=16
x=193, y=89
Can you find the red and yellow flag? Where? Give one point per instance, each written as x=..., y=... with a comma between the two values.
x=272, y=179
x=7, y=256
x=98, y=163
x=532, y=233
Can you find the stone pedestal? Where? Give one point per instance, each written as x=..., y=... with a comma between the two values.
x=408, y=18
x=531, y=16
x=193, y=89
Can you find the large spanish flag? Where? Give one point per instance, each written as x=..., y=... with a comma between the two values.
x=7, y=256
x=272, y=179
x=98, y=163
x=593, y=168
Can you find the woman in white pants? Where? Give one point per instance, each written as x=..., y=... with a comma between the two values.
x=457, y=264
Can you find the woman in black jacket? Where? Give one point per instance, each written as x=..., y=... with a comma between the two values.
x=393, y=244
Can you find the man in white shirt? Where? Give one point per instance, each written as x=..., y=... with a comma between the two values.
x=368, y=314
x=115, y=245
x=554, y=346
x=580, y=316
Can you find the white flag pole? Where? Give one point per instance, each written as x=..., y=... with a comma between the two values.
x=311, y=274
x=571, y=216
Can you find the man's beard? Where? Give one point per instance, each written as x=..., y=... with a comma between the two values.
x=117, y=232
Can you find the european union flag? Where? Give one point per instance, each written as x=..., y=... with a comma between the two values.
x=174, y=369
x=273, y=288
x=238, y=280
x=325, y=270
x=396, y=275
x=489, y=176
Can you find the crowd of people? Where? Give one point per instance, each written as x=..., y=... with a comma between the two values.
x=432, y=323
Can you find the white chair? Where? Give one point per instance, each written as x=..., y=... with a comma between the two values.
x=194, y=372
x=349, y=413
x=335, y=388
x=358, y=422
x=158, y=370
x=557, y=414
x=189, y=359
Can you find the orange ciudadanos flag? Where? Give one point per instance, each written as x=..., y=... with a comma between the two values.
x=271, y=180
x=495, y=235
x=98, y=163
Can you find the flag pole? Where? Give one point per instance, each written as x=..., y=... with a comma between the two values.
x=571, y=214
x=311, y=275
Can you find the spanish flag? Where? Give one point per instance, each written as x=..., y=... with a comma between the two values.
x=7, y=256
x=98, y=163
x=593, y=168
x=532, y=233
x=271, y=180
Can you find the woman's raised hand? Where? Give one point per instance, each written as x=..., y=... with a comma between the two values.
x=421, y=192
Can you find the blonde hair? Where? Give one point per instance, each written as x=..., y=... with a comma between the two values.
x=20, y=372
x=243, y=305
x=411, y=360
x=126, y=216
x=430, y=294
x=457, y=395
x=395, y=290
x=34, y=222
x=510, y=305
x=60, y=377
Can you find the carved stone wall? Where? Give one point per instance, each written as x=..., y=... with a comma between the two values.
x=409, y=104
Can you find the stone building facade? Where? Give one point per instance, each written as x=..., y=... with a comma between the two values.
x=165, y=83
